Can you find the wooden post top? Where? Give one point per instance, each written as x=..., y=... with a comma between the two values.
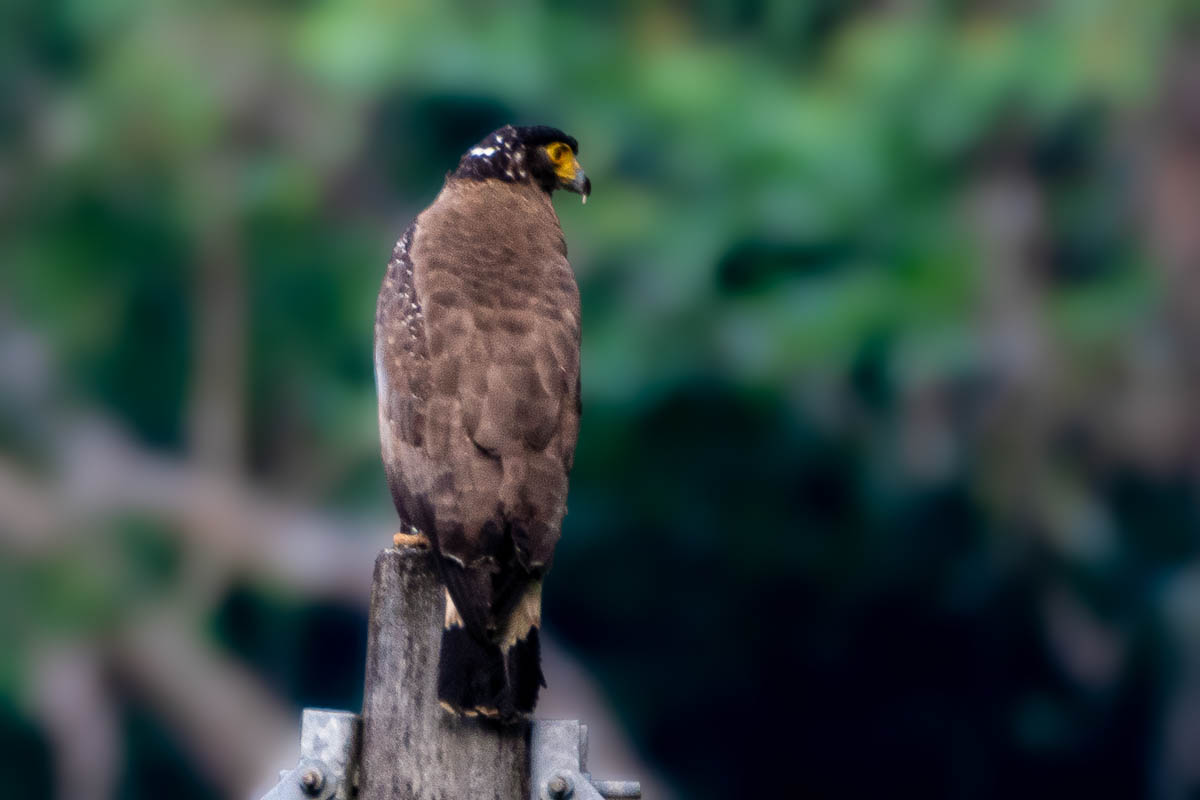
x=412, y=748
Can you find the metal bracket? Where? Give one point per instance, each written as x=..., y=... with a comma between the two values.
x=328, y=768
x=329, y=756
x=310, y=780
x=558, y=752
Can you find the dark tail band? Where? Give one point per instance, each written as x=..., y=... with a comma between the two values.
x=496, y=680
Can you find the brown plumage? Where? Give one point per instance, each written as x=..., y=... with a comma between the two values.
x=477, y=371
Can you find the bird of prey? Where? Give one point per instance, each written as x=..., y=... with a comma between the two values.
x=477, y=373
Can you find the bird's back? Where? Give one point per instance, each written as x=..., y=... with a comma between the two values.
x=478, y=322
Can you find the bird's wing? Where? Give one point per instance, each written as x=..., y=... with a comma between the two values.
x=402, y=386
x=501, y=322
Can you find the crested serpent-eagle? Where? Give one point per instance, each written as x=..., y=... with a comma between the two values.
x=477, y=372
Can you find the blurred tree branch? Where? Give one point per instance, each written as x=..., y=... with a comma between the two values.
x=72, y=699
x=217, y=407
x=234, y=726
x=102, y=474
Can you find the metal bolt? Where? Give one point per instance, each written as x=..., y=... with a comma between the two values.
x=312, y=781
x=558, y=787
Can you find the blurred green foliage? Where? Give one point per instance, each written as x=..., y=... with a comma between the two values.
x=779, y=257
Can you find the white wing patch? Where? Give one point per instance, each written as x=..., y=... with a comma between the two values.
x=384, y=391
x=482, y=152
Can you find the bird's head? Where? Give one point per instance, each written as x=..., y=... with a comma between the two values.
x=535, y=154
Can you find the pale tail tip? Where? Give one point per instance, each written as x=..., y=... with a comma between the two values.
x=584, y=199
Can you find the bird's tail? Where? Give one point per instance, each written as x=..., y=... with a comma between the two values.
x=494, y=679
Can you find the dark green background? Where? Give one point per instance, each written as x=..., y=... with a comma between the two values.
x=887, y=475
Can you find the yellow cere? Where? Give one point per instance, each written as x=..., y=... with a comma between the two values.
x=563, y=159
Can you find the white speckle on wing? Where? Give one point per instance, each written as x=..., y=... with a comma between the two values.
x=482, y=152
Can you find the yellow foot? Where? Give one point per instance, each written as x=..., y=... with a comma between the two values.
x=418, y=540
x=476, y=711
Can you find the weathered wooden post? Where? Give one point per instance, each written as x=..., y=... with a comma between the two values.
x=412, y=749
x=404, y=746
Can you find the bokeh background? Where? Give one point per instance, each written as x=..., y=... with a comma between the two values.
x=888, y=474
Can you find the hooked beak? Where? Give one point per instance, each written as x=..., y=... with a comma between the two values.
x=581, y=184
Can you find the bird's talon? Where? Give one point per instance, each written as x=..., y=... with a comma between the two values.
x=417, y=540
